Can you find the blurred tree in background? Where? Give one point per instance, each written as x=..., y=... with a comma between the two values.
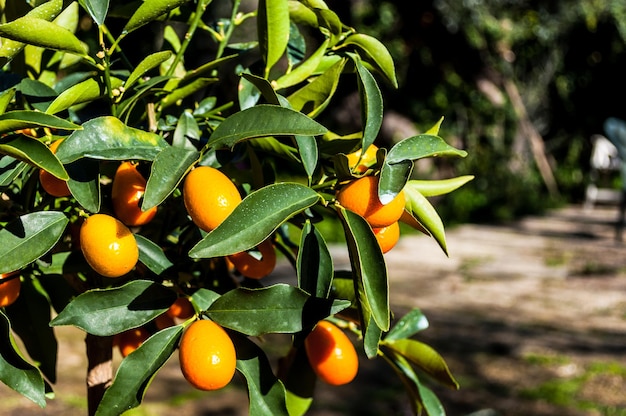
x=523, y=84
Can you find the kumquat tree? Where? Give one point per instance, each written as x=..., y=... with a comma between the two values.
x=158, y=157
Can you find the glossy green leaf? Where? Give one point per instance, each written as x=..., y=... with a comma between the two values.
x=247, y=93
x=168, y=170
x=137, y=370
x=315, y=96
x=15, y=371
x=309, y=153
x=187, y=132
x=148, y=63
x=279, y=308
x=272, y=30
x=301, y=14
x=425, y=357
x=375, y=53
x=40, y=32
x=149, y=11
x=328, y=19
x=421, y=146
x=33, y=152
x=296, y=47
x=314, y=263
x=109, y=139
x=263, y=120
x=257, y=216
x=410, y=324
x=204, y=298
x=29, y=237
x=10, y=168
x=97, y=9
x=430, y=188
x=30, y=316
x=264, y=86
x=369, y=265
x=420, y=208
x=84, y=183
x=265, y=391
x=6, y=97
x=302, y=71
x=24, y=119
x=83, y=92
x=393, y=179
x=106, y=312
x=152, y=256
x=371, y=104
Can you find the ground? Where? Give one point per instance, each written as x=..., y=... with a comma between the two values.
x=530, y=316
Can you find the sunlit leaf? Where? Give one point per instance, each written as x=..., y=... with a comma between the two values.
x=149, y=62
x=315, y=96
x=168, y=170
x=97, y=9
x=421, y=146
x=409, y=325
x=302, y=71
x=430, y=188
x=152, y=256
x=426, y=214
x=24, y=119
x=375, y=52
x=149, y=11
x=273, y=30
x=40, y=32
x=83, y=92
x=33, y=152
x=393, y=179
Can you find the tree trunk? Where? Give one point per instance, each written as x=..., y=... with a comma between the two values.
x=99, y=369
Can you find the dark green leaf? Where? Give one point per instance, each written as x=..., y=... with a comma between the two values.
x=247, y=93
x=266, y=392
x=187, y=132
x=421, y=146
x=425, y=357
x=439, y=187
x=148, y=63
x=280, y=308
x=106, y=312
x=34, y=152
x=307, y=147
x=393, y=179
x=263, y=120
x=10, y=168
x=22, y=119
x=315, y=96
x=409, y=325
x=314, y=263
x=371, y=104
x=255, y=218
x=30, y=316
x=29, y=237
x=97, y=9
x=264, y=86
x=418, y=206
x=40, y=32
x=203, y=298
x=168, y=169
x=16, y=372
x=149, y=11
x=109, y=139
x=137, y=370
x=369, y=265
x=375, y=53
x=152, y=256
x=84, y=183
x=296, y=48
x=273, y=30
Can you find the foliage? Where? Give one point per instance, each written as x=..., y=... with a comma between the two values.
x=241, y=91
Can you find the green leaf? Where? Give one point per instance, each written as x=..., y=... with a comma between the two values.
x=84, y=183
x=185, y=89
x=15, y=371
x=108, y=138
x=314, y=263
x=303, y=70
x=369, y=265
x=6, y=96
x=106, y=312
x=430, y=188
x=265, y=391
x=371, y=105
x=328, y=19
x=279, y=308
x=375, y=53
x=30, y=316
x=10, y=168
x=421, y=146
x=168, y=170
x=309, y=153
x=97, y=9
x=137, y=370
x=35, y=153
x=148, y=63
x=273, y=30
x=426, y=214
x=84, y=92
x=263, y=120
x=264, y=86
x=203, y=298
x=29, y=237
x=24, y=119
x=299, y=383
x=152, y=256
x=393, y=179
x=257, y=216
x=315, y=96
x=149, y=11
x=40, y=32
x=187, y=132
x=409, y=325
x=425, y=357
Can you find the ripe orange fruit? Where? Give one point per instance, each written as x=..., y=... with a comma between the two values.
x=128, y=189
x=331, y=354
x=207, y=355
x=209, y=196
x=388, y=236
x=108, y=245
x=181, y=308
x=360, y=164
x=129, y=341
x=50, y=183
x=10, y=285
x=361, y=197
x=251, y=267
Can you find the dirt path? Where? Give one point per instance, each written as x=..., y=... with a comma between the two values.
x=531, y=318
